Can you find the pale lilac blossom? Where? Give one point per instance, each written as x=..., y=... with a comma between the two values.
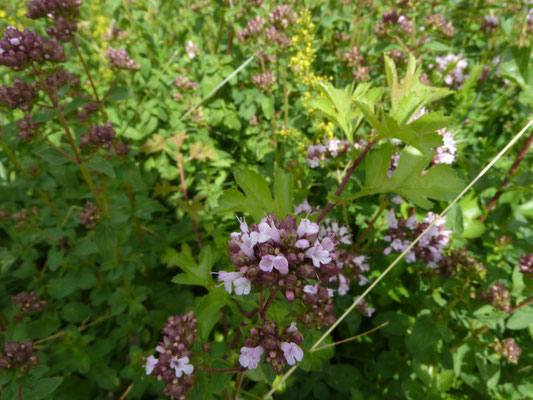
x=292, y=352
x=278, y=262
x=250, y=356
x=151, y=362
x=181, y=366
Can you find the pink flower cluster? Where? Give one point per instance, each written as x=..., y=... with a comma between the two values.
x=402, y=232
x=446, y=153
x=305, y=208
x=280, y=346
x=173, y=365
x=454, y=67
x=278, y=254
x=391, y=23
x=330, y=149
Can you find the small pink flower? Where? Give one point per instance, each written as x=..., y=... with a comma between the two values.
x=307, y=227
x=318, y=254
x=392, y=222
x=151, y=362
x=228, y=278
x=292, y=352
x=343, y=285
x=181, y=366
x=302, y=244
x=268, y=232
x=292, y=328
x=311, y=289
x=279, y=262
x=242, y=286
x=250, y=356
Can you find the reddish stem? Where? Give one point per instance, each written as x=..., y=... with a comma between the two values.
x=271, y=298
x=329, y=206
x=512, y=170
x=525, y=303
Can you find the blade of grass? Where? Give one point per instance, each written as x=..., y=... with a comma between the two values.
x=212, y=92
x=399, y=258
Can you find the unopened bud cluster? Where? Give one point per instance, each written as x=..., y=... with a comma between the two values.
x=498, y=296
x=28, y=302
x=19, y=50
x=19, y=356
x=90, y=215
x=458, y=263
x=441, y=25
x=526, y=264
x=508, y=349
x=173, y=366
x=22, y=96
x=120, y=59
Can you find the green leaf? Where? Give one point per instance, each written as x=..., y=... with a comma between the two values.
x=74, y=104
x=100, y=164
x=520, y=319
x=267, y=105
x=198, y=274
x=75, y=312
x=256, y=200
x=119, y=301
x=439, y=182
x=42, y=327
x=118, y=93
x=283, y=191
x=43, y=116
x=208, y=311
x=47, y=386
x=338, y=105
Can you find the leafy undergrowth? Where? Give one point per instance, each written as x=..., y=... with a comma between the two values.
x=206, y=200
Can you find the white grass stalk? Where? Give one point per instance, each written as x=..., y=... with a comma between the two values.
x=212, y=92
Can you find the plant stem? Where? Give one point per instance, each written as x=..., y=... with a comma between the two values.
x=271, y=298
x=329, y=206
x=222, y=370
x=525, y=303
x=238, y=383
x=70, y=138
x=349, y=339
x=521, y=155
x=184, y=191
x=382, y=206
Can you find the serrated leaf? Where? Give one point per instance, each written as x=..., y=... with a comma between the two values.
x=194, y=273
x=408, y=180
x=256, y=200
x=283, y=191
x=100, y=164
